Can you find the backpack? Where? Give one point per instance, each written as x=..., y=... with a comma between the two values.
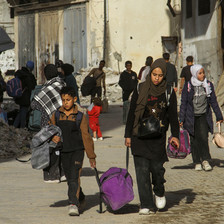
x=89, y=84
x=34, y=123
x=3, y=116
x=14, y=87
x=184, y=149
x=116, y=186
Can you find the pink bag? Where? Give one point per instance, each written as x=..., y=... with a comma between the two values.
x=218, y=138
x=184, y=149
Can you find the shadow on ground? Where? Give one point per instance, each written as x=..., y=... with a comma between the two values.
x=174, y=198
x=188, y=166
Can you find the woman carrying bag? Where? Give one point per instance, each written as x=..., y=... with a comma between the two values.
x=149, y=109
x=198, y=96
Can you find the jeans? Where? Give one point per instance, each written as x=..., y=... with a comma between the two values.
x=145, y=171
x=20, y=121
x=199, y=142
x=72, y=165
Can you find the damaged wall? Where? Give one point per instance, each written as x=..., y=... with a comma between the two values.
x=201, y=39
x=7, y=58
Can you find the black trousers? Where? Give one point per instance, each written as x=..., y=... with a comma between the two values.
x=97, y=91
x=199, y=142
x=149, y=172
x=72, y=165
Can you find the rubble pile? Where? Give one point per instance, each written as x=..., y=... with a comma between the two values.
x=113, y=90
x=14, y=142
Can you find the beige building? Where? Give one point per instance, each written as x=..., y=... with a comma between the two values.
x=84, y=32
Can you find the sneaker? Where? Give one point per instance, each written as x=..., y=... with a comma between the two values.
x=145, y=211
x=101, y=138
x=206, y=166
x=52, y=181
x=198, y=167
x=73, y=210
x=63, y=178
x=94, y=139
x=160, y=202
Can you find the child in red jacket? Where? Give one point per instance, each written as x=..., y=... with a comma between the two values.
x=94, y=114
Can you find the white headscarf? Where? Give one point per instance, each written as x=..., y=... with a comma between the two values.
x=194, y=79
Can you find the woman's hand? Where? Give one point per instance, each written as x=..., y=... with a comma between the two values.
x=128, y=142
x=181, y=124
x=175, y=141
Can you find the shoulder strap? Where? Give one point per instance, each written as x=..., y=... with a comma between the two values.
x=57, y=116
x=168, y=96
x=99, y=75
x=79, y=118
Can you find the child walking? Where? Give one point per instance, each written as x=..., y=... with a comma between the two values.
x=94, y=114
x=76, y=139
x=198, y=96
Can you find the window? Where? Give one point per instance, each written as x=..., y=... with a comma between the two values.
x=203, y=7
x=188, y=8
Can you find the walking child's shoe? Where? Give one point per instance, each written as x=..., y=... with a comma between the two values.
x=94, y=139
x=206, y=166
x=198, y=167
x=73, y=210
x=160, y=202
x=101, y=138
x=146, y=211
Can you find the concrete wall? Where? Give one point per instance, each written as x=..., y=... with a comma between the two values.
x=7, y=58
x=201, y=39
x=134, y=30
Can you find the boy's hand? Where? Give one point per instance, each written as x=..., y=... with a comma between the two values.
x=175, y=141
x=56, y=139
x=92, y=163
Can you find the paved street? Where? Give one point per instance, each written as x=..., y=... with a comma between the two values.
x=195, y=197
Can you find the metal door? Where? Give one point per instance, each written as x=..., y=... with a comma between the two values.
x=48, y=32
x=75, y=36
x=26, y=39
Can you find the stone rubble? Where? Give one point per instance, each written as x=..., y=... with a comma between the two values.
x=14, y=142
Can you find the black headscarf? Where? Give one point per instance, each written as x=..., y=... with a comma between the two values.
x=148, y=88
x=67, y=68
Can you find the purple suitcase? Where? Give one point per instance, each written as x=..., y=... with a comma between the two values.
x=116, y=187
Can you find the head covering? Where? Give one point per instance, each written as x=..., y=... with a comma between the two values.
x=194, y=79
x=30, y=65
x=67, y=68
x=50, y=71
x=148, y=88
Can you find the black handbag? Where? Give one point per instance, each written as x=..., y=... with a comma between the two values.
x=149, y=128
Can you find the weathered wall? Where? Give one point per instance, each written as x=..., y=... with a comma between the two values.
x=134, y=30
x=7, y=58
x=201, y=40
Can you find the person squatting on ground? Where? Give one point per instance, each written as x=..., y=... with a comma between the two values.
x=47, y=101
x=149, y=99
x=100, y=75
x=76, y=139
x=198, y=96
x=128, y=81
x=144, y=71
x=94, y=114
x=28, y=84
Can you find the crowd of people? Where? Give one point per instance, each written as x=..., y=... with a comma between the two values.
x=144, y=96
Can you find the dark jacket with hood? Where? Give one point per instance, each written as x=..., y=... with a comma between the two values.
x=28, y=84
x=187, y=108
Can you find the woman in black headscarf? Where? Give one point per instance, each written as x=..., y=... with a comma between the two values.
x=149, y=99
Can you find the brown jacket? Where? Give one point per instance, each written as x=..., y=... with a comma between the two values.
x=86, y=137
